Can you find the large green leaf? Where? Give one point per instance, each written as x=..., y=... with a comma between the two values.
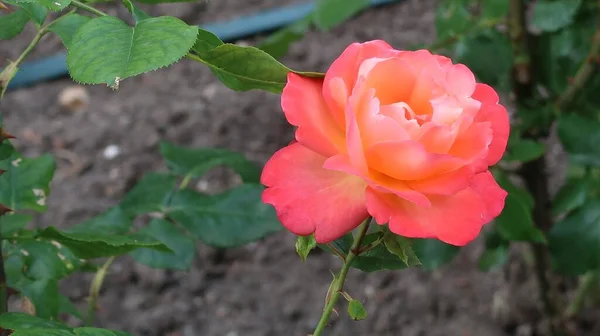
x=197, y=162
x=496, y=250
x=515, y=221
x=433, y=253
x=34, y=267
x=330, y=13
x=25, y=184
x=452, y=18
x=18, y=321
x=106, y=49
x=36, y=12
x=580, y=137
x=113, y=221
x=494, y=9
x=67, y=26
x=574, y=242
x=184, y=248
x=230, y=219
x=552, y=15
x=524, y=150
x=489, y=55
x=11, y=224
x=12, y=24
x=54, y=5
x=402, y=248
x=206, y=41
x=96, y=245
x=572, y=195
x=245, y=68
x=150, y=194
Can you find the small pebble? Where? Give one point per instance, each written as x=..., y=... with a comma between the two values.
x=111, y=152
x=74, y=98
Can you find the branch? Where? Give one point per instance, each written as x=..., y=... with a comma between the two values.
x=583, y=74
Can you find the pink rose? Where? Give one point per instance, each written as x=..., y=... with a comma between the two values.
x=403, y=136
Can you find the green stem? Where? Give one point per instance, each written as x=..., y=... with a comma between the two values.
x=95, y=290
x=3, y=289
x=586, y=283
x=339, y=280
x=87, y=8
x=583, y=74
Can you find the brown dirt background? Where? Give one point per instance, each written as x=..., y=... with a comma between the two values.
x=262, y=289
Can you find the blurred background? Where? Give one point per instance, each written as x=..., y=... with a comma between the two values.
x=105, y=140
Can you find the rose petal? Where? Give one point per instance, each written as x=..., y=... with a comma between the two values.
x=445, y=184
x=455, y=219
x=378, y=181
x=409, y=160
x=310, y=199
x=345, y=67
x=498, y=116
x=305, y=107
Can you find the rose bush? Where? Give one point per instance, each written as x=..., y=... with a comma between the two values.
x=403, y=136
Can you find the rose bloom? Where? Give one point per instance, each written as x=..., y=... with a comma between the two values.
x=403, y=136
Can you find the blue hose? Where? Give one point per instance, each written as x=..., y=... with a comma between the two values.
x=56, y=66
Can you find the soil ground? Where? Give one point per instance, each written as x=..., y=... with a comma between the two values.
x=262, y=289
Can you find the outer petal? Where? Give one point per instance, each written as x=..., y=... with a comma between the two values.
x=305, y=107
x=496, y=114
x=310, y=199
x=455, y=219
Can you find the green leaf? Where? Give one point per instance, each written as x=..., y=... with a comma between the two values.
x=67, y=26
x=525, y=150
x=434, y=253
x=278, y=43
x=137, y=14
x=12, y=24
x=305, y=244
x=184, y=248
x=106, y=49
x=42, y=332
x=153, y=2
x=451, y=19
x=356, y=310
x=330, y=13
x=6, y=150
x=515, y=222
x=87, y=331
x=44, y=295
x=401, y=247
x=496, y=250
x=67, y=307
x=149, y=194
x=230, y=219
x=35, y=11
x=11, y=224
x=197, y=162
x=507, y=185
x=495, y=9
x=206, y=41
x=376, y=259
x=44, y=260
x=550, y=16
x=574, y=242
x=489, y=55
x=580, y=137
x=25, y=185
x=113, y=221
x=53, y=5
x=493, y=258
x=19, y=321
x=571, y=196
x=96, y=245
x=247, y=68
